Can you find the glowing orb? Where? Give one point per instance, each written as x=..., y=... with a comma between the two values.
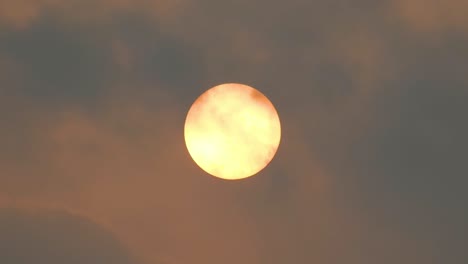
x=232, y=131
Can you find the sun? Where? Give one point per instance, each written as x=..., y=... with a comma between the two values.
x=232, y=131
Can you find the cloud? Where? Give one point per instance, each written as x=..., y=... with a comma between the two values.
x=59, y=63
x=20, y=15
x=432, y=17
x=56, y=237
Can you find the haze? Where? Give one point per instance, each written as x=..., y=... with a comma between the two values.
x=371, y=167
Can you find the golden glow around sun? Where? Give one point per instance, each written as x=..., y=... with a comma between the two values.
x=232, y=131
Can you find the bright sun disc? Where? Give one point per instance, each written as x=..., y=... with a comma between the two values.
x=232, y=131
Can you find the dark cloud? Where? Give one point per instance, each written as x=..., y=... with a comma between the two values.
x=407, y=167
x=158, y=58
x=74, y=64
x=56, y=237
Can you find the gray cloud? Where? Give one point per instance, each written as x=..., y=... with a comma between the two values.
x=56, y=237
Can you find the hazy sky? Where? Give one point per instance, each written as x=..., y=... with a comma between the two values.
x=372, y=166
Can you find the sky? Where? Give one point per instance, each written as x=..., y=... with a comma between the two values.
x=372, y=165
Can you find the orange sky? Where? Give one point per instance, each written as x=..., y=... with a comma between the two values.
x=372, y=162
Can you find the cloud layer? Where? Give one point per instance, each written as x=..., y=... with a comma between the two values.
x=56, y=237
x=371, y=97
